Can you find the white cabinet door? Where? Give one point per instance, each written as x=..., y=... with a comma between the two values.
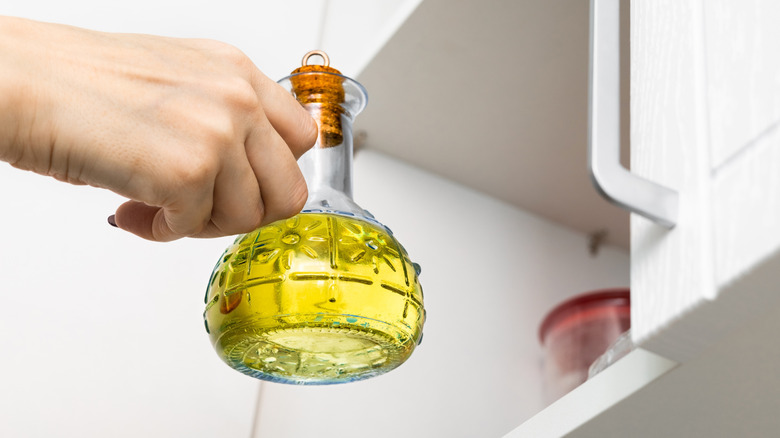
x=705, y=115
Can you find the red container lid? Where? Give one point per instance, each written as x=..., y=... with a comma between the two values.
x=589, y=304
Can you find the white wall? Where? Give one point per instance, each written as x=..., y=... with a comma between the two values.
x=101, y=333
x=489, y=272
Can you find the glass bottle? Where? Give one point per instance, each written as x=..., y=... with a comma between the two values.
x=329, y=295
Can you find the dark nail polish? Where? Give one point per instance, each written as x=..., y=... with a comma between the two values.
x=112, y=221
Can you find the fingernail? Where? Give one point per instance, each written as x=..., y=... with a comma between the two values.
x=112, y=220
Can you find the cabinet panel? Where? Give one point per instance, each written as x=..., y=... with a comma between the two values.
x=743, y=75
x=742, y=43
x=671, y=269
x=746, y=208
x=683, y=104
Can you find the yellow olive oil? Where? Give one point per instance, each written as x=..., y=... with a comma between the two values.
x=319, y=298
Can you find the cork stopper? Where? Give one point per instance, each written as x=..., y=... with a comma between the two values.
x=319, y=89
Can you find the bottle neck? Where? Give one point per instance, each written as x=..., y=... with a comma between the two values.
x=328, y=170
x=333, y=101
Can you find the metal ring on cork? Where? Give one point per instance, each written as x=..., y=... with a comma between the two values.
x=320, y=53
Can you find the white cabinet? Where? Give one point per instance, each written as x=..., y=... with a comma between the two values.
x=703, y=134
x=705, y=111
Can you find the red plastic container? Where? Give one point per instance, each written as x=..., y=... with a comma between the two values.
x=576, y=332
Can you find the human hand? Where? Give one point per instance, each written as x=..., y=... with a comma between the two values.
x=201, y=142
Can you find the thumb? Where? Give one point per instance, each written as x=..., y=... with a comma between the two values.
x=145, y=221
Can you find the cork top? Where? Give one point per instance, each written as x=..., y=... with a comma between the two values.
x=319, y=88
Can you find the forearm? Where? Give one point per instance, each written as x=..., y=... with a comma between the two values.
x=16, y=95
x=29, y=72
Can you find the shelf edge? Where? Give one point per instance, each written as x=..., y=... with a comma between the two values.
x=613, y=385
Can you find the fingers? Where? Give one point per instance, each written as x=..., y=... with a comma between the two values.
x=251, y=190
x=238, y=207
x=282, y=187
x=293, y=123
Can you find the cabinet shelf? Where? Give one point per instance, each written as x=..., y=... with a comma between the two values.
x=729, y=388
x=583, y=406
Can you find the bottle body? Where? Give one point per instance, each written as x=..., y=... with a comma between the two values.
x=319, y=298
x=329, y=295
